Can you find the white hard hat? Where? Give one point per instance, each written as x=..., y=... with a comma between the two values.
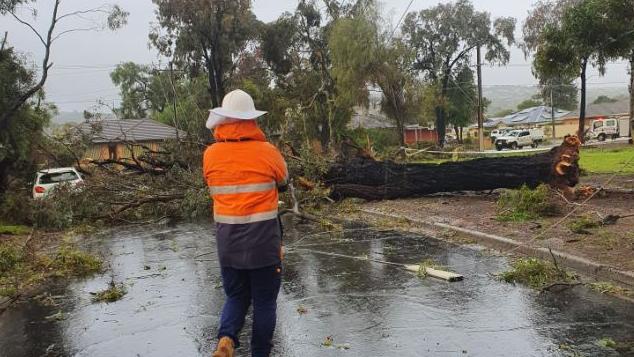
x=236, y=105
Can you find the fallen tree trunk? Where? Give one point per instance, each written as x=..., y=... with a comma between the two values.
x=373, y=180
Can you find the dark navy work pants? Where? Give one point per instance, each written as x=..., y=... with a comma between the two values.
x=243, y=288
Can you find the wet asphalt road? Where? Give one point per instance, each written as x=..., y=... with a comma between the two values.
x=174, y=298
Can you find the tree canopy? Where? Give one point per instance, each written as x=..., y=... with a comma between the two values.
x=444, y=38
x=366, y=56
x=205, y=35
x=565, y=49
x=24, y=132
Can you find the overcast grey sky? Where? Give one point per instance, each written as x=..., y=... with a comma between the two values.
x=83, y=61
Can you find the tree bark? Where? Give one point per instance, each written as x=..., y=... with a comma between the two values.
x=631, y=95
x=440, y=125
x=373, y=180
x=401, y=130
x=582, y=106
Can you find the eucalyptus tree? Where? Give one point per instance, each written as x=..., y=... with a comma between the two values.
x=144, y=91
x=208, y=36
x=366, y=56
x=620, y=43
x=557, y=88
x=296, y=49
x=570, y=46
x=462, y=98
x=444, y=38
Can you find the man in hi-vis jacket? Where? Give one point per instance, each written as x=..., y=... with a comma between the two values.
x=243, y=172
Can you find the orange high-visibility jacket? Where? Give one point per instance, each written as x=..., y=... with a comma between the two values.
x=243, y=172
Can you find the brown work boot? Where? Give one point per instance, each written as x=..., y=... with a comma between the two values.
x=224, y=348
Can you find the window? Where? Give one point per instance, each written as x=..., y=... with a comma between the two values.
x=58, y=177
x=525, y=133
x=597, y=124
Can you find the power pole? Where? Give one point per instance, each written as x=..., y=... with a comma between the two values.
x=480, y=117
x=552, y=111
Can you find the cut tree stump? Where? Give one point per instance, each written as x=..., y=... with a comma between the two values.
x=369, y=179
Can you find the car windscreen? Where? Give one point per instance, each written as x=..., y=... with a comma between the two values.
x=514, y=133
x=58, y=177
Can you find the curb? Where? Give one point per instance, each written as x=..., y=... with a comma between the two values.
x=583, y=265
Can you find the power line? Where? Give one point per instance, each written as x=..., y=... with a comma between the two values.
x=398, y=24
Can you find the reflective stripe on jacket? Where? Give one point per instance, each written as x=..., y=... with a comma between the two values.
x=243, y=171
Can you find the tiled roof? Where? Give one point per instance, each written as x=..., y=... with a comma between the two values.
x=109, y=131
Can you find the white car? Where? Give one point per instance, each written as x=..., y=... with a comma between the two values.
x=47, y=180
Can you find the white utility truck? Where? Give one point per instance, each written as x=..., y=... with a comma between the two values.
x=612, y=128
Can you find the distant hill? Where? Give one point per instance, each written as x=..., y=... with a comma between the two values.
x=508, y=97
x=68, y=117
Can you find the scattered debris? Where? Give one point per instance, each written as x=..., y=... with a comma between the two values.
x=536, y=273
x=609, y=288
x=606, y=342
x=581, y=225
x=430, y=268
x=525, y=204
x=328, y=341
x=59, y=316
x=612, y=219
x=302, y=310
x=113, y=293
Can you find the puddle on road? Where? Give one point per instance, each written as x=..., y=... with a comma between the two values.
x=174, y=298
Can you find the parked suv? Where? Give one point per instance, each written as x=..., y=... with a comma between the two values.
x=497, y=133
x=518, y=139
x=47, y=180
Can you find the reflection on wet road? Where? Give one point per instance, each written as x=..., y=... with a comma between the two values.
x=174, y=298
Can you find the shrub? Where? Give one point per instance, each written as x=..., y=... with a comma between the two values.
x=525, y=204
x=10, y=257
x=16, y=206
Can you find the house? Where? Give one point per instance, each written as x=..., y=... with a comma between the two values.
x=416, y=134
x=120, y=139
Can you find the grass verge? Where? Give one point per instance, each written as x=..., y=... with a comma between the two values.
x=25, y=263
x=14, y=230
x=601, y=160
